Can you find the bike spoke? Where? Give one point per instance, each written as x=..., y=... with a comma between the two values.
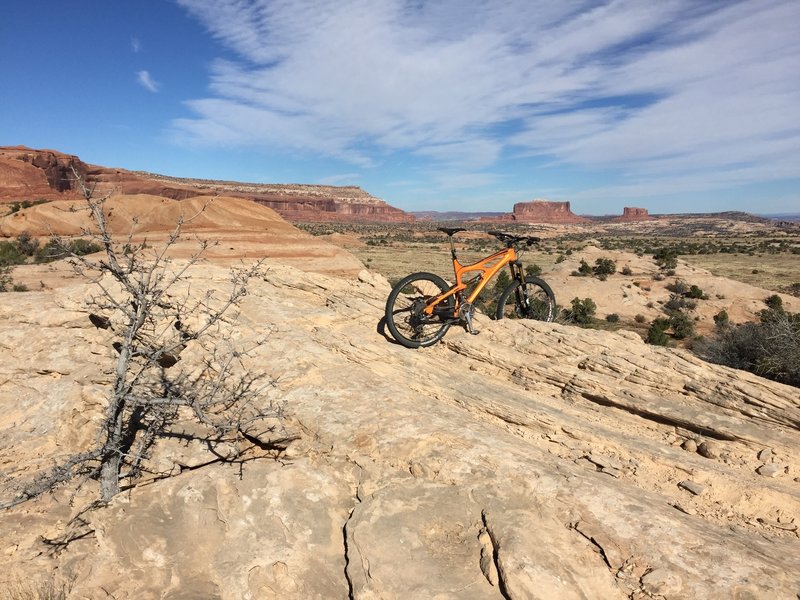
x=529, y=302
x=408, y=310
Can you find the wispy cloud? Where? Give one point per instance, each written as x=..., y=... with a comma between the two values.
x=147, y=82
x=340, y=179
x=136, y=45
x=704, y=92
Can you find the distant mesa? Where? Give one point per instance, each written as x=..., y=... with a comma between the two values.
x=28, y=174
x=539, y=211
x=544, y=211
x=632, y=213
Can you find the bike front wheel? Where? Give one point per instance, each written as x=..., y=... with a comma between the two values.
x=405, y=316
x=531, y=299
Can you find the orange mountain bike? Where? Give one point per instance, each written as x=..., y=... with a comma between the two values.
x=422, y=306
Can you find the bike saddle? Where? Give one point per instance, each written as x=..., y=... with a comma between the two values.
x=451, y=230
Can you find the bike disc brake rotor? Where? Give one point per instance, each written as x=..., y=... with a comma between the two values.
x=525, y=307
x=418, y=319
x=466, y=311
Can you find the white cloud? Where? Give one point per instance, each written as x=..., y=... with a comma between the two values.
x=702, y=91
x=147, y=82
x=136, y=46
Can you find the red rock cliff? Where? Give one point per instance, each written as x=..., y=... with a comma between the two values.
x=544, y=211
x=631, y=213
x=27, y=174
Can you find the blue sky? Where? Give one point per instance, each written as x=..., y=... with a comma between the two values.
x=675, y=106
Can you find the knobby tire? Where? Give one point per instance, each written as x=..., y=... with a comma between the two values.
x=533, y=300
x=405, y=320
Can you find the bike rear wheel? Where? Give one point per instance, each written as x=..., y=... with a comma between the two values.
x=531, y=299
x=405, y=317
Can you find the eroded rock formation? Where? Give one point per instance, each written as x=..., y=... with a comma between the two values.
x=27, y=174
x=539, y=211
x=544, y=211
x=631, y=213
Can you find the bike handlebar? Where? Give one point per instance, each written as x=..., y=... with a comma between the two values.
x=506, y=238
x=509, y=239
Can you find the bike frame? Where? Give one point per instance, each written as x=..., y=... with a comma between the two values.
x=487, y=267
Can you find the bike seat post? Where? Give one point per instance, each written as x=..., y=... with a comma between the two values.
x=452, y=246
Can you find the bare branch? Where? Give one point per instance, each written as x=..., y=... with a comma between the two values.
x=145, y=309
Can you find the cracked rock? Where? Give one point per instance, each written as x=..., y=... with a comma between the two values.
x=661, y=582
x=708, y=449
x=691, y=486
x=770, y=470
x=765, y=455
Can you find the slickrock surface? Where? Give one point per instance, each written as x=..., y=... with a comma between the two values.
x=531, y=461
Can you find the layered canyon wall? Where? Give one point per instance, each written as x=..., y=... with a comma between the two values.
x=28, y=174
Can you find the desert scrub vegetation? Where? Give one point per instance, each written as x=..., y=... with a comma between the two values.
x=683, y=298
x=583, y=270
x=27, y=249
x=710, y=243
x=6, y=282
x=769, y=348
x=581, y=312
x=722, y=320
x=666, y=258
x=792, y=289
x=679, y=323
x=11, y=254
x=603, y=267
x=533, y=270
x=683, y=289
x=656, y=333
x=17, y=206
